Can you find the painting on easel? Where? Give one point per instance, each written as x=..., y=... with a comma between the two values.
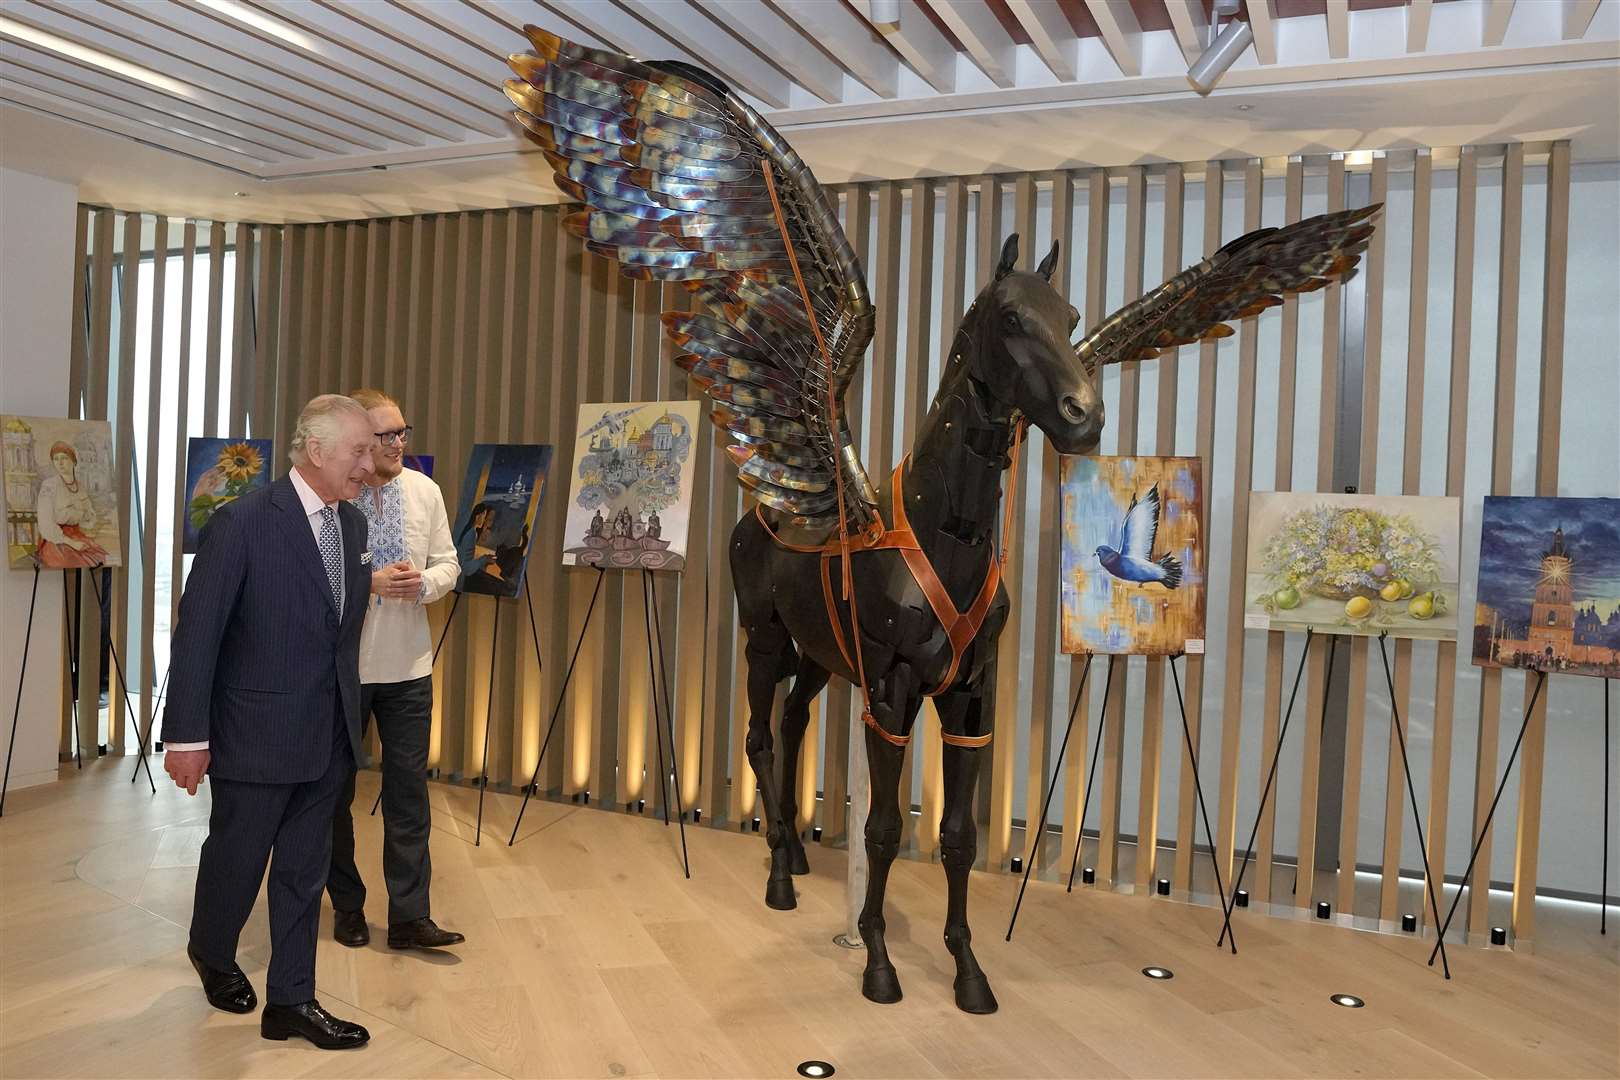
x=630, y=503
x=494, y=525
x=61, y=493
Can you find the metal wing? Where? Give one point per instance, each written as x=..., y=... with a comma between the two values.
x=1243, y=278
x=1141, y=526
x=671, y=168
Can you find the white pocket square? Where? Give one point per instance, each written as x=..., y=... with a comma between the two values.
x=365, y=558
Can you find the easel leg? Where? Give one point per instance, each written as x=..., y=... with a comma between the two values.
x=1603, y=917
x=1485, y=828
x=489, y=714
x=118, y=669
x=652, y=676
x=1271, y=776
x=70, y=622
x=1411, y=791
x=145, y=736
x=448, y=619
x=16, y=711
x=1051, y=786
x=1091, y=776
x=669, y=725
x=1198, y=788
x=562, y=694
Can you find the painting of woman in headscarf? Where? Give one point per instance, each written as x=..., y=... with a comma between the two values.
x=67, y=516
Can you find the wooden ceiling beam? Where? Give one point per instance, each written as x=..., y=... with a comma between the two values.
x=924, y=49
x=977, y=28
x=1051, y=35
x=735, y=64
x=860, y=48
x=1120, y=32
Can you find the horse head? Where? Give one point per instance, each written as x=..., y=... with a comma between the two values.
x=1019, y=329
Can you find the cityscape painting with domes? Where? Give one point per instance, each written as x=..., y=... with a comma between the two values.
x=631, y=498
x=1549, y=585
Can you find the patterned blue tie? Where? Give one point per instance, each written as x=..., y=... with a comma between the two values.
x=332, y=554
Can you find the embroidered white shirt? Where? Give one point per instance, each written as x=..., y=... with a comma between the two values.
x=395, y=643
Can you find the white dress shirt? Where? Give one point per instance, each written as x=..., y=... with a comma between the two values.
x=395, y=643
x=312, y=509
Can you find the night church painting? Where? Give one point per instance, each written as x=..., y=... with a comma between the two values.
x=1549, y=586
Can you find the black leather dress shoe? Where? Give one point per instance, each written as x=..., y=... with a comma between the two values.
x=421, y=934
x=349, y=928
x=227, y=990
x=312, y=1022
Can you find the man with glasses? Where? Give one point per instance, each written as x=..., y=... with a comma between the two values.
x=413, y=564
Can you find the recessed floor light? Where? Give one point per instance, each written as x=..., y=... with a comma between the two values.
x=1349, y=1001
x=1243, y=108
x=817, y=1070
x=1158, y=973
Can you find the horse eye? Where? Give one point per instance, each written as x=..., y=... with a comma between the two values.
x=1010, y=322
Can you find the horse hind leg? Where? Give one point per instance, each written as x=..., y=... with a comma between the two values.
x=771, y=657
x=809, y=680
x=894, y=706
x=965, y=715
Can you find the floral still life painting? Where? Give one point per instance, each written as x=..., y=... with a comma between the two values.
x=1549, y=585
x=219, y=471
x=1353, y=564
x=630, y=505
x=1133, y=555
x=61, y=494
x=494, y=526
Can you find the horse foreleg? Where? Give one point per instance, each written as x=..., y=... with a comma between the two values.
x=894, y=708
x=810, y=681
x=966, y=716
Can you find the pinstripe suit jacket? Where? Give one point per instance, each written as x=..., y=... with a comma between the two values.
x=263, y=666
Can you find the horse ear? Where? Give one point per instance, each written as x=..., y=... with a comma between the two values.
x=1009, y=257
x=1049, y=263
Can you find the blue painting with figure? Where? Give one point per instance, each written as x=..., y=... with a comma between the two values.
x=494, y=524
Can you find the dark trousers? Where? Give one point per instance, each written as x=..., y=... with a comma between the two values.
x=289, y=826
x=404, y=712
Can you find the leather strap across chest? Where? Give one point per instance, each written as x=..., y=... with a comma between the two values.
x=961, y=627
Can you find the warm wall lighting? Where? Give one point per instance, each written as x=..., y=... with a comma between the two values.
x=95, y=58
x=262, y=23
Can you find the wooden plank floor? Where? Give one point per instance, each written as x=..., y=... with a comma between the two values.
x=589, y=956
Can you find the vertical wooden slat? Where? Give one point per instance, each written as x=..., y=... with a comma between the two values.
x=460, y=237
x=213, y=418
x=1527, y=851
x=1276, y=640
x=78, y=362
x=149, y=474
x=1096, y=297
x=95, y=408
x=639, y=735
x=266, y=345
x=1316, y=670
x=1045, y=712
x=1149, y=780
x=243, y=355
x=582, y=706
x=1445, y=685
x=1127, y=423
x=482, y=611
x=188, y=246
x=124, y=455
x=286, y=343
x=1507, y=357
x=1242, y=471
x=620, y=637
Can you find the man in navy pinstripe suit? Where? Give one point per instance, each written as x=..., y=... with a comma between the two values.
x=264, y=698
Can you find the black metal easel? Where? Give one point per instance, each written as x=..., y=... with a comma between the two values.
x=1271, y=775
x=1603, y=916
x=118, y=668
x=28, y=637
x=1091, y=774
x=1485, y=828
x=1411, y=791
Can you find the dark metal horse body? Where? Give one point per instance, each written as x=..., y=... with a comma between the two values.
x=1011, y=359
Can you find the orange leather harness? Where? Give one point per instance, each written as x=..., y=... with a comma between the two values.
x=961, y=627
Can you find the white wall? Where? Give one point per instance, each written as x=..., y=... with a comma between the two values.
x=36, y=275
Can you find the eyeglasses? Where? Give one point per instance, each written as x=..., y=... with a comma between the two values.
x=392, y=438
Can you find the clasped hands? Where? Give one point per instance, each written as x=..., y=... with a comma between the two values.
x=397, y=581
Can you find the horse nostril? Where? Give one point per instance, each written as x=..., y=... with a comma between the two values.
x=1071, y=408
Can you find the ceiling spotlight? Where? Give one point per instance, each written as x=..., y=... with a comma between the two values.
x=1222, y=53
x=1349, y=1001
x=885, y=13
x=1158, y=973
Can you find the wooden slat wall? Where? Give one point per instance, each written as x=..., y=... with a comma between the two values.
x=493, y=326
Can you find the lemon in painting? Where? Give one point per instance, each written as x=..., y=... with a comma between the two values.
x=1358, y=607
x=1392, y=591
x=1421, y=607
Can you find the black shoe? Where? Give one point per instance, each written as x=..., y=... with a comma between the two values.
x=349, y=928
x=313, y=1023
x=421, y=934
x=227, y=990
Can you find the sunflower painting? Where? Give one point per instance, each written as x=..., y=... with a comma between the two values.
x=217, y=472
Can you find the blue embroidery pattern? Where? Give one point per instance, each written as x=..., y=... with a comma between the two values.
x=386, y=525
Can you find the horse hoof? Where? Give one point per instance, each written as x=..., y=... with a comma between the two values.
x=779, y=895
x=973, y=996
x=801, y=865
x=881, y=985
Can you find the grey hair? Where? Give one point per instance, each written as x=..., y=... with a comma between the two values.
x=318, y=422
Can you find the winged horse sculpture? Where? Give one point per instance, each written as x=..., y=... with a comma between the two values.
x=893, y=583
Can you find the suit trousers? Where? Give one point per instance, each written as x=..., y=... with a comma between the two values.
x=290, y=827
x=404, y=712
